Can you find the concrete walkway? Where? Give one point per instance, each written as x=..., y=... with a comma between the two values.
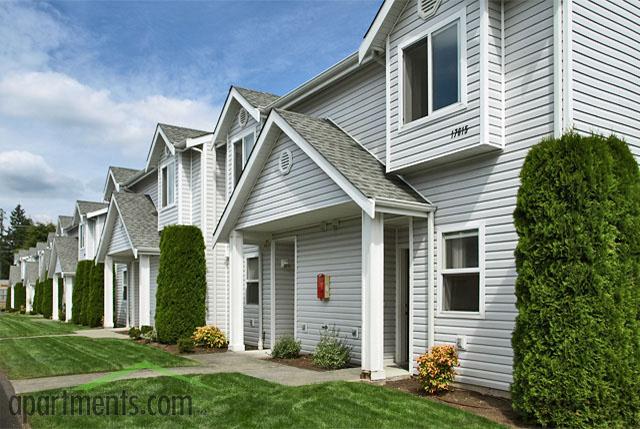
x=252, y=363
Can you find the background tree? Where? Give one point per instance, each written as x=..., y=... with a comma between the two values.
x=37, y=232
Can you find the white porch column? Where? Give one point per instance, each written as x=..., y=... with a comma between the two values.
x=373, y=296
x=107, y=320
x=55, y=314
x=144, y=286
x=13, y=297
x=68, y=298
x=28, y=299
x=236, y=298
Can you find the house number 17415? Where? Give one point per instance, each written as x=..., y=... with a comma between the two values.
x=460, y=131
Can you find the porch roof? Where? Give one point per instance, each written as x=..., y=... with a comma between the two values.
x=31, y=273
x=65, y=251
x=342, y=158
x=14, y=275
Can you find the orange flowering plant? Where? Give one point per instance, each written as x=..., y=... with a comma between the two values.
x=436, y=368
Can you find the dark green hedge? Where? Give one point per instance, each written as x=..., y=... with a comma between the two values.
x=21, y=296
x=46, y=302
x=36, y=297
x=180, y=299
x=94, y=308
x=577, y=340
x=61, y=314
x=80, y=289
x=8, y=303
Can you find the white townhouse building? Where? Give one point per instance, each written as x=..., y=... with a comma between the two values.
x=377, y=198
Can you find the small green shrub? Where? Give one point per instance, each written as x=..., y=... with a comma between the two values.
x=149, y=335
x=286, y=348
x=332, y=352
x=186, y=345
x=436, y=368
x=145, y=329
x=210, y=336
x=182, y=284
x=135, y=333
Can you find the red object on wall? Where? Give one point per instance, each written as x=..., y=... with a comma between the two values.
x=322, y=285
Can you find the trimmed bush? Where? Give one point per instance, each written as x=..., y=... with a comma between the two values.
x=61, y=307
x=577, y=339
x=286, y=348
x=36, y=298
x=186, y=345
x=21, y=296
x=80, y=288
x=180, y=298
x=332, y=352
x=7, y=304
x=93, y=302
x=210, y=336
x=46, y=302
x=437, y=368
x=134, y=333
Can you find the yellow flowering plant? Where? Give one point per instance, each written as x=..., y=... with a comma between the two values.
x=210, y=336
x=436, y=368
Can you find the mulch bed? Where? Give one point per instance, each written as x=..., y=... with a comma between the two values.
x=490, y=407
x=303, y=362
x=173, y=348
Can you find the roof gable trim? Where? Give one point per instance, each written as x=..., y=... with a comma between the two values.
x=222, y=119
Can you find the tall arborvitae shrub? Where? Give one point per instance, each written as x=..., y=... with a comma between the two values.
x=36, y=292
x=21, y=296
x=46, y=302
x=180, y=299
x=80, y=287
x=577, y=340
x=61, y=314
x=94, y=309
x=7, y=305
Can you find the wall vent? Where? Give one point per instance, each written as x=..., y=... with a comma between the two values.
x=242, y=117
x=285, y=162
x=427, y=8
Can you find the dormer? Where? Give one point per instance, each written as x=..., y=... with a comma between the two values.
x=117, y=178
x=176, y=155
x=444, y=79
x=89, y=216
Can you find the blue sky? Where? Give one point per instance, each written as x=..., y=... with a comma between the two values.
x=82, y=84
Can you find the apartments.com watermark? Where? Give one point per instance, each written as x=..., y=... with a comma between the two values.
x=77, y=404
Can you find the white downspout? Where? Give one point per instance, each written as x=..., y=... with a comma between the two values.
x=430, y=281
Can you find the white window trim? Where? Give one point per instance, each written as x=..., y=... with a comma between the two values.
x=437, y=24
x=175, y=181
x=480, y=226
x=232, y=141
x=250, y=255
x=82, y=232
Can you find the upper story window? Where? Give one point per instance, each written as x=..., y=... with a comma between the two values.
x=242, y=148
x=168, y=184
x=461, y=277
x=432, y=70
x=81, y=235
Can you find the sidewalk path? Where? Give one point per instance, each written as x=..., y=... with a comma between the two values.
x=252, y=363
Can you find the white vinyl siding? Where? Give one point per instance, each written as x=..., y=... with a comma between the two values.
x=606, y=61
x=304, y=189
x=154, y=265
x=119, y=240
x=284, y=291
x=483, y=189
x=148, y=186
x=196, y=189
x=167, y=215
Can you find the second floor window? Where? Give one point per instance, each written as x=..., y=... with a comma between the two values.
x=241, y=150
x=81, y=234
x=168, y=184
x=431, y=73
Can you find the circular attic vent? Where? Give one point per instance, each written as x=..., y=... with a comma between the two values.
x=285, y=162
x=242, y=117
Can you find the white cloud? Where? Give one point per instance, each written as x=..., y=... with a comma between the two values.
x=23, y=173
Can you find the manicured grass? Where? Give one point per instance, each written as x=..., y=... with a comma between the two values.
x=235, y=400
x=20, y=325
x=48, y=356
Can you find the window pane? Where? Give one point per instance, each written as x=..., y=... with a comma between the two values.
x=238, y=163
x=461, y=250
x=461, y=292
x=445, y=65
x=170, y=183
x=252, y=269
x=248, y=142
x=164, y=186
x=415, y=81
x=252, y=293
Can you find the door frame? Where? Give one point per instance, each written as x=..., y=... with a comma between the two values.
x=272, y=281
x=402, y=318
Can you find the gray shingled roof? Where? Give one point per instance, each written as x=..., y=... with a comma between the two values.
x=65, y=221
x=122, y=175
x=14, y=275
x=356, y=164
x=31, y=273
x=178, y=135
x=140, y=219
x=85, y=207
x=41, y=245
x=33, y=251
x=66, y=249
x=257, y=98
x=50, y=237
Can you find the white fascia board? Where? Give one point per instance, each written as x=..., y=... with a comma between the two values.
x=253, y=111
x=374, y=30
x=234, y=95
x=106, y=231
x=97, y=213
x=167, y=142
x=223, y=115
x=257, y=159
x=106, y=184
x=202, y=140
x=405, y=208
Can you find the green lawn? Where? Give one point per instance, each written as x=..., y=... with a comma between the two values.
x=235, y=400
x=20, y=325
x=48, y=356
